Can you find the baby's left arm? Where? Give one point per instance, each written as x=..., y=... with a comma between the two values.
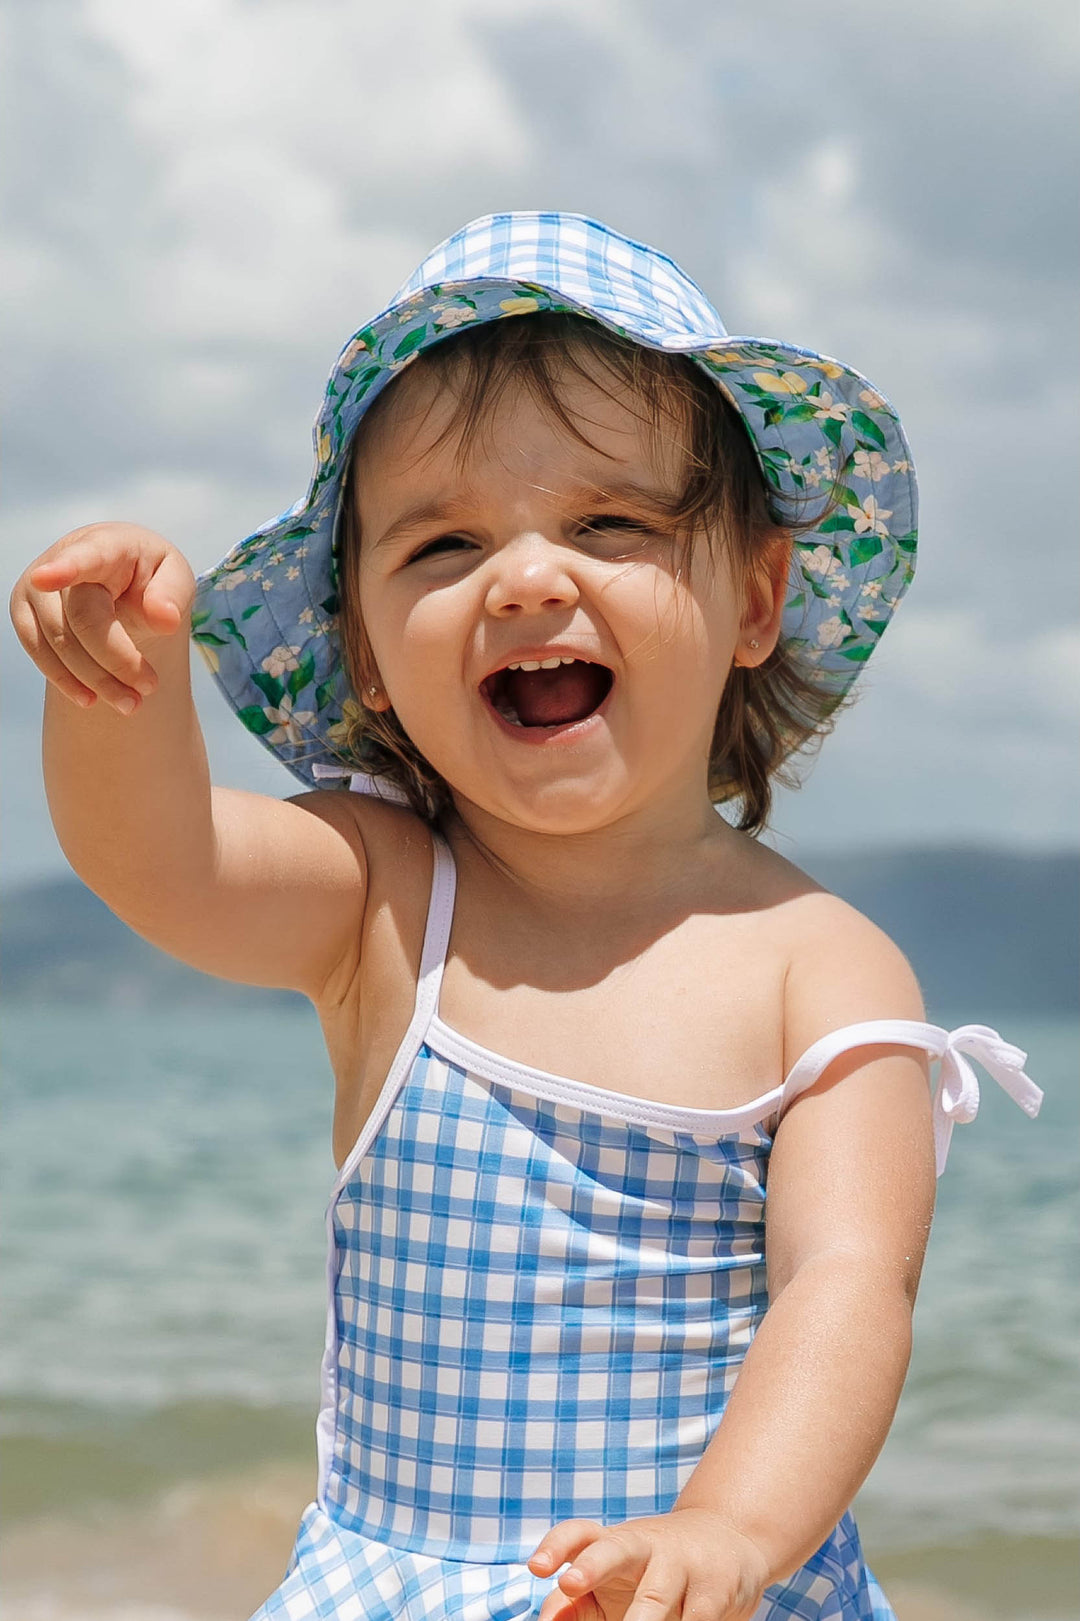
x=850, y=1200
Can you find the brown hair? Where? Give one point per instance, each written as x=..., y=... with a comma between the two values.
x=767, y=713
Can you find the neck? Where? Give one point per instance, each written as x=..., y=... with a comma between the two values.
x=653, y=851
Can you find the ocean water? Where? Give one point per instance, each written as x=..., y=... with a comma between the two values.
x=163, y=1297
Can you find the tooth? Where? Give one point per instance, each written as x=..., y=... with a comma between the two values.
x=550, y=664
x=527, y=664
x=513, y=666
x=568, y=661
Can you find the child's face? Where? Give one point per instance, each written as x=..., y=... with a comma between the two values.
x=519, y=555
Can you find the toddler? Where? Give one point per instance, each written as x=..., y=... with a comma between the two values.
x=574, y=569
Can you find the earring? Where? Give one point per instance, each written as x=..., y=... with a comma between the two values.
x=373, y=691
x=755, y=644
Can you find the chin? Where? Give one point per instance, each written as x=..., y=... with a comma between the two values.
x=556, y=809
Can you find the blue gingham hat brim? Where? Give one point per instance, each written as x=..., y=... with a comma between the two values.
x=265, y=617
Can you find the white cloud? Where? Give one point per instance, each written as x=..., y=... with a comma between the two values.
x=210, y=195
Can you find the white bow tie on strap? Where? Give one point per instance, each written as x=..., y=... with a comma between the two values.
x=956, y=1101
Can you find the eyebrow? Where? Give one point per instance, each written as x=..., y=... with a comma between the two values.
x=447, y=511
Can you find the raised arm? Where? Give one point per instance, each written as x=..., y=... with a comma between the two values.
x=241, y=885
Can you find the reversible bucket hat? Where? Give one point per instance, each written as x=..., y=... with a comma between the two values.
x=265, y=617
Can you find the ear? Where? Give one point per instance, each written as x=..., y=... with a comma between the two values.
x=373, y=697
x=766, y=595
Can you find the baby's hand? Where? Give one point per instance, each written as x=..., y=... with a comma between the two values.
x=683, y=1566
x=85, y=608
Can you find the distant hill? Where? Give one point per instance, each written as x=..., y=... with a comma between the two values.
x=987, y=932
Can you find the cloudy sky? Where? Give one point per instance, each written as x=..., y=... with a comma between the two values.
x=204, y=198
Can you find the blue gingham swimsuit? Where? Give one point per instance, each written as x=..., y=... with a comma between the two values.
x=541, y=1293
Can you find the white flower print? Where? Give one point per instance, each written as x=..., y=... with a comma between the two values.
x=902, y=466
x=826, y=407
x=292, y=573
x=822, y=560
x=301, y=551
x=280, y=660
x=453, y=315
x=871, y=465
x=229, y=582
x=276, y=557
x=831, y=632
x=305, y=616
x=870, y=518
x=871, y=399
x=872, y=588
x=356, y=348
x=287, y=724
x=823, y=457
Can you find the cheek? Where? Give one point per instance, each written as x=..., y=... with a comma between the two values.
x=680, y=633
x=418, y=644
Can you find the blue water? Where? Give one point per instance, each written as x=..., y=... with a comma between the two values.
x=166, y=1176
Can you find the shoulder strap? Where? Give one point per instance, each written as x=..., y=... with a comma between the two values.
x=440, y=919
x=956, y=1098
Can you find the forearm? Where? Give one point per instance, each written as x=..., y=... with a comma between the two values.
x=810, y=1409
x=130, y=796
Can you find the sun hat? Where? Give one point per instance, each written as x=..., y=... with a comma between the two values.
x=265, y=618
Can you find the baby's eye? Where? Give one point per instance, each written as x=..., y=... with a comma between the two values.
x=433, y=547
x=614, y=534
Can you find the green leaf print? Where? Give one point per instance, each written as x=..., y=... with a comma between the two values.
x=324, y=694
x=835, y=521
x=906, y=543
x=207, y=636
x=867, y=426
x=256, y=607
x=230, y=626
x=858, y=653
x=863, y=548
x=412, y=340
x=270, y=685
x=255, y=720
x=302, y=675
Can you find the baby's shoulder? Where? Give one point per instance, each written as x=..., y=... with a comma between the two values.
x=840, y=966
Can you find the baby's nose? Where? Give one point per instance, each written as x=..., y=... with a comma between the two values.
x=530, y=573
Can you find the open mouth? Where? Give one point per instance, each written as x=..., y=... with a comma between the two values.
x=557, y=692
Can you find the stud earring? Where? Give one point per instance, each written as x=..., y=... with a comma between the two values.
x=373, y=691
x=755, y=644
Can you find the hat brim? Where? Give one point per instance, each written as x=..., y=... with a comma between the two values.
x=265, y=617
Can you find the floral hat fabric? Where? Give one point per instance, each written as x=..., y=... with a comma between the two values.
x=265, y=617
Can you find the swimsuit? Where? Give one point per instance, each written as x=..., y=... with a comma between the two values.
x=541, y=1293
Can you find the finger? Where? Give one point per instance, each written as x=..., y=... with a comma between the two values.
x=65, y=644
x=711, y=1603
x=659, y=1596
x=166, y=594
x=97, y=644
x=624, y=1555
x=34, y=640
x=561, y=1543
